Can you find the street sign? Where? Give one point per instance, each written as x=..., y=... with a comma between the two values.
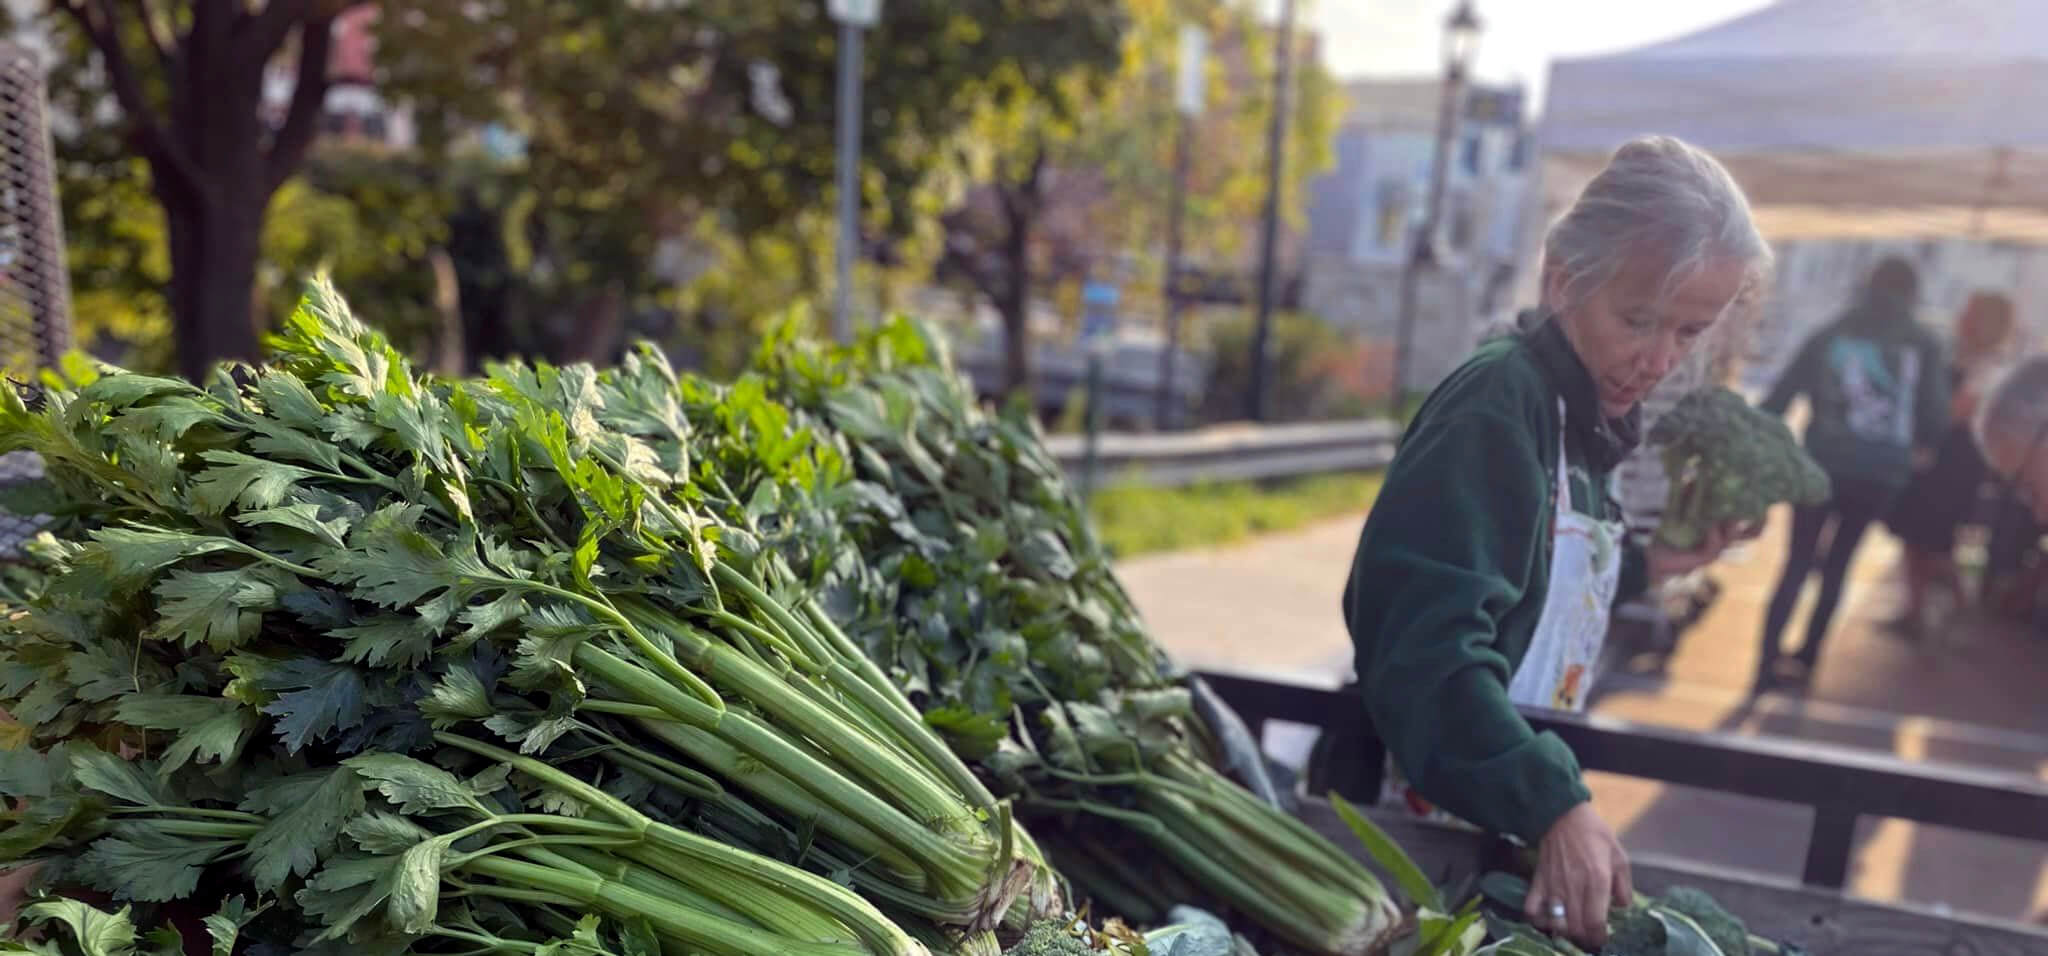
x=1098, y=311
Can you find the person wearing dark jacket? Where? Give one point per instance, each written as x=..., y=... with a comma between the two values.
x=1486, y=571
x=1877, y=394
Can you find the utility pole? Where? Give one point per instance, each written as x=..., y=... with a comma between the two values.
x=1276, y=143
x=1461, y=38
x=854, y=16
x=1187, y=107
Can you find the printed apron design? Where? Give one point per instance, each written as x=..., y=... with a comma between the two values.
x=1557, y=672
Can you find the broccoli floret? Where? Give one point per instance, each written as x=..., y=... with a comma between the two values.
x=1721, y=926
x=1052, y=937
x=1634, y=932
x=1728, y=461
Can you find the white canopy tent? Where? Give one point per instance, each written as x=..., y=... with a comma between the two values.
x=1855, y=118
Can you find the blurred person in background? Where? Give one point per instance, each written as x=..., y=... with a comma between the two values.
x=2010, y=428
x=1494, y=554
x=1875, y=387
x=1941, y=497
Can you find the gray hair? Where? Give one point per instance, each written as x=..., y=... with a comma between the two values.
x=2016, y=404
x=1657, y=196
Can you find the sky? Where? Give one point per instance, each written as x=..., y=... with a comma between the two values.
x=1518, y=39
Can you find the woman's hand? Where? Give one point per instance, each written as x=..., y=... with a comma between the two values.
x=1581, y=867
x=1667, y=563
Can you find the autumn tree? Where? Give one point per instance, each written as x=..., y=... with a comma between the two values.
x=710, y=123
x=1073, y=177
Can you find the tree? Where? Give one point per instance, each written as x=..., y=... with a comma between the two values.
x=187, y=78
x=1074, y=177
x=710, y=122
x=1024, y=222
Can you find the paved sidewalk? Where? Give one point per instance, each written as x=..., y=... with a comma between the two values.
x=1977, y=695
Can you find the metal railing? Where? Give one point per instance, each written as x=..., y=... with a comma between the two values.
x=1231, y=453
x=1841, y=785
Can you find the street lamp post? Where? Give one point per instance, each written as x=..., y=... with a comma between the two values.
x=1276, y=143
x=853, y=17
x=1461, y=42
x=1188, y=90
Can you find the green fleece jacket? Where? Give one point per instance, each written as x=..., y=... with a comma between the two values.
x=1451, y=572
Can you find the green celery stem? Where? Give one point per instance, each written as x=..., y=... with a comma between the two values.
x=737, y=863
x=694, y=928
x=791, y=797
x=881, y=767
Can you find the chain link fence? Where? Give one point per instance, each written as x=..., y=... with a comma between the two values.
x=35, y=295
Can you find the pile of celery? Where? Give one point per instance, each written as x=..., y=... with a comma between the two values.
x=356, y=661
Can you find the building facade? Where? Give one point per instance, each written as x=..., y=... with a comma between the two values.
x=1366, y=214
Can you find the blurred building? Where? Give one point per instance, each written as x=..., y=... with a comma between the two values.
x=355, y=114
x=1365, y=214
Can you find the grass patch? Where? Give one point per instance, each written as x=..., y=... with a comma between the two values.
x=1134, y=519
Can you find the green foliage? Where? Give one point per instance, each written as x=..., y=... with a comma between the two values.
x=1389, y=855
x=1135, y=519
x=1682, y=921
x=368, y=219
x=1728, y=462
x=1072, y=178
x=708, y=123
x=1299, y=383
x=968, y=568
x=321, y=602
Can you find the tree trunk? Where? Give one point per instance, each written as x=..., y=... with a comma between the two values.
x=1015, y=303
x=596, y=328
x=215, y=238
x=449, y=357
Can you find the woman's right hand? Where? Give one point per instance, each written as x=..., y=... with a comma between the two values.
x=1581, y=865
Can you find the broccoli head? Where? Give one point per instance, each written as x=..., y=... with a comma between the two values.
x=1721, y=926
x=1728, y=461
x=1634, y=932
x=1052, y=937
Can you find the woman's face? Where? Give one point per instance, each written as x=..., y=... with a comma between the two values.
x=1630, y=335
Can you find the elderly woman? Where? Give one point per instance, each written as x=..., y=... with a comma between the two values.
x=2012, y=431
x=1485, y=574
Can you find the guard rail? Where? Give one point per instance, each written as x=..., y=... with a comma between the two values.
x=1231, y=452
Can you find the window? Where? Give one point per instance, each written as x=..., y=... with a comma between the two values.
x=1472, y=151
x=374, y=126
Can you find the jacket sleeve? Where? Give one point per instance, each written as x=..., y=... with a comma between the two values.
x=1797, y=378
x=1448, y=550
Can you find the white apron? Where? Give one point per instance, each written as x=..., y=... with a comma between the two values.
x=1558, y=670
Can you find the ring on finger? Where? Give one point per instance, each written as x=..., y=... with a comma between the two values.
x=1557, y=911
